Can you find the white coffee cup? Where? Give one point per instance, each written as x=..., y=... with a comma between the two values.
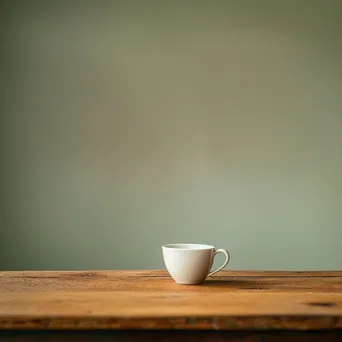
x=191, y=263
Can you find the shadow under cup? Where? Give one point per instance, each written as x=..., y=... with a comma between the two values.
x=190, y=263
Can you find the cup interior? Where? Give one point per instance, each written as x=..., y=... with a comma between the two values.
x=188, y=246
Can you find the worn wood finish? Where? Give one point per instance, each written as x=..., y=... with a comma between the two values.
x=151, y=300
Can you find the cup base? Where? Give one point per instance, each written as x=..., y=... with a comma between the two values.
x=184, y=283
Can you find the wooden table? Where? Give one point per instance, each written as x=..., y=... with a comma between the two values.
x=149, y=306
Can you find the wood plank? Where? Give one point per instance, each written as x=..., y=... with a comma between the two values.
x=160, y=280
x=150, y=299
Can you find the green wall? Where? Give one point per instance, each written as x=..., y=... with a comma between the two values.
x=133, y=124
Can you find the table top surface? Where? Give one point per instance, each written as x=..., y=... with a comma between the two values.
x=232, y=300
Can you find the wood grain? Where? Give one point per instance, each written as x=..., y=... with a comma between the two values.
x=151, y=300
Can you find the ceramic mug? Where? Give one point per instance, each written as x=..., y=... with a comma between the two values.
x=191, y=263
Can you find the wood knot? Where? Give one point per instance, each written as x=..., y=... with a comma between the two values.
x=323, y=304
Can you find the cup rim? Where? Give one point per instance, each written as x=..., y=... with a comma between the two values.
x=187, y=246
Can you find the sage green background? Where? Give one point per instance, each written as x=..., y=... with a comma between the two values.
x=133, y=124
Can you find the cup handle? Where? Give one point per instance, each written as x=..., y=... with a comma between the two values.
x=227, y=255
